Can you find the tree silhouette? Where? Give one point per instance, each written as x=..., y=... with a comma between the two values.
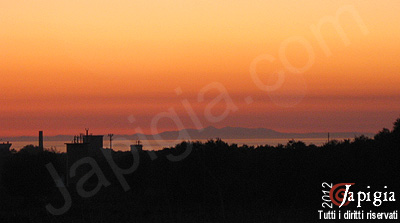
x=216, y=182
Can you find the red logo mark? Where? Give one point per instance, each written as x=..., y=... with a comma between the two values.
x=340, y=196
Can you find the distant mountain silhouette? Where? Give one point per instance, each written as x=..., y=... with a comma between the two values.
x=66, y=138
x=212, y=132
x=242, y=133
x=215, y=182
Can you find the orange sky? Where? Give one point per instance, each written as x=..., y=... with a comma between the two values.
x=67, y=65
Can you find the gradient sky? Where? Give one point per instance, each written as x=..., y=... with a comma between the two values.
x=66, y=65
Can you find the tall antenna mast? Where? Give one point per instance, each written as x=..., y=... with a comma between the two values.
x=110, y=135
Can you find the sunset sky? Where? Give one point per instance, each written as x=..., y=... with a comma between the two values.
x=67, y=65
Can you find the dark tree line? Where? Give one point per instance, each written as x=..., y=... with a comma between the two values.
x=217, y=182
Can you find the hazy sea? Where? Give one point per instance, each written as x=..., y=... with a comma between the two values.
x=124, y=145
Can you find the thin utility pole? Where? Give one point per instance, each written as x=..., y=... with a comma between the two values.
x=110, y=135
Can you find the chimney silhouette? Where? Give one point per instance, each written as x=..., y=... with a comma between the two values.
x=41, y=140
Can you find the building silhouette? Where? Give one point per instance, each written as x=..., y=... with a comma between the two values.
x=5, y=148
x=82, y=146
x=138, y=146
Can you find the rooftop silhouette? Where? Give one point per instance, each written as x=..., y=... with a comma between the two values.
x=216, y=182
